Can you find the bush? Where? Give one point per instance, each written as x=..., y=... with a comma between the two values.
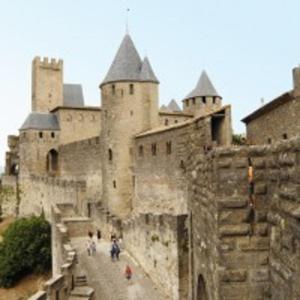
x=26, y=248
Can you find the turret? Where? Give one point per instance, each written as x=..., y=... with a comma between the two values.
x=129, y=106
x=38, y=143
x=47, y=84
x=203, y=98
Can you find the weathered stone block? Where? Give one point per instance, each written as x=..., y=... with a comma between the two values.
x=233, y=202
x=233, y=216
x=233, y=275
x=260, y=189
x=234, y=230
x=254, y=243
x=260, y=275
x=258, y=163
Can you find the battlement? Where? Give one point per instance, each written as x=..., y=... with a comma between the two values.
x=46, y=63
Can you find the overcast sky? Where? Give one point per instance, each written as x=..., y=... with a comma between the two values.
x=248, y=48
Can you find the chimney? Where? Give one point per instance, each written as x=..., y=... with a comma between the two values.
x=296, y=77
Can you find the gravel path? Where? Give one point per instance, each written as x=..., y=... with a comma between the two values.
x=107, y=277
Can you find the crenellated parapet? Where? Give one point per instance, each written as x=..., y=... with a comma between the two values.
x=48, y=63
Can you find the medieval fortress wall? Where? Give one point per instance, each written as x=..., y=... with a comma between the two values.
x=240, y=252
x=168, y=181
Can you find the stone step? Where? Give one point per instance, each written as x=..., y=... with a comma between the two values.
x=81, y=280
x=83, y=291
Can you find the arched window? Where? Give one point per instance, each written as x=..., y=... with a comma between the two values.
x=166, y=122
x=52, y=162
x=201, y=289
x=110, y=155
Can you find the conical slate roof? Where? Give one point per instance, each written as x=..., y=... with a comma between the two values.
x=163, y=108
x=147, y=73
x=173, y=106
x=204, y=87
x=128, y=66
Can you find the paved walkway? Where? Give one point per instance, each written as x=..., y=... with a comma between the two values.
x=107, y=277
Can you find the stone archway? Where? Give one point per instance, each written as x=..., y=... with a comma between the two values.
x=52, y=162
x=201, y=289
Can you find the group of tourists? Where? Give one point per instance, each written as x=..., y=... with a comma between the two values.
x=91, y=243
x=115, y=249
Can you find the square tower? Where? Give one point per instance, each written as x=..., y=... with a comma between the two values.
x=47, y=84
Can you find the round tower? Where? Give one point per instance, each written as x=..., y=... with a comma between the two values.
x=129, y=95
x=203, y=99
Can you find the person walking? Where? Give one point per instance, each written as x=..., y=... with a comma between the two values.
x=98, y=235
x=88, y=247
x=128, y=273
x=93, y=248
x=115, y=250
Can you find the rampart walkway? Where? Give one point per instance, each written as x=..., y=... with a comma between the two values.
x=107, y=277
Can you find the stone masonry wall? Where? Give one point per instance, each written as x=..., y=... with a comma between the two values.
x=237, y=252
x=160, y=178
x=38, y=193
x=159, y=244
x=272, y=125
x=78, y=124
x=8, y=199
x=82, y=161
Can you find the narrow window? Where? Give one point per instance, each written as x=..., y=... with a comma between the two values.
x=24, y=134
x=53, y=135
x=141, y=150
x=214, y=100
x=204, y=100
x=166, y=122
x=187, y=102
x=269, y=141
x=110, y=155
x=153, y=149
x=114, y=184
x=41, y=134
x=113, y=89
x=194, y=101
x=285, y=136
x=169, y=147
x=131, y=89
x=131, y=112
x=176, y=121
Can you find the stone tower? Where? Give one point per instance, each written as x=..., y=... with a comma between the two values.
x=203, y=98
x=39, y=140
x=47, y=84
x=129, y=106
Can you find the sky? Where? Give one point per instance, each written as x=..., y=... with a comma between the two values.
x=248, y=48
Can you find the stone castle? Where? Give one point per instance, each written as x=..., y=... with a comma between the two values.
x=169, y=181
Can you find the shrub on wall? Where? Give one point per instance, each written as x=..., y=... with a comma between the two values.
x=26, y=248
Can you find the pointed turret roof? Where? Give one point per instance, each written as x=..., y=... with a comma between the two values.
x=173, y=106
x=128, y=66
x=163, y=108
x=204, y=87
x=147, y=73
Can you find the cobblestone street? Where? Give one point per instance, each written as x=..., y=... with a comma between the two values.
x=107, y=277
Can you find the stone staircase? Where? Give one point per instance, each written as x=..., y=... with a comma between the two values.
x=81, y=280
x=81, y=290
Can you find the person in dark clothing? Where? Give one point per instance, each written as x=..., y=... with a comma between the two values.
x=98, y=235
x=115, y=250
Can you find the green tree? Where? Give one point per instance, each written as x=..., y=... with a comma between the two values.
x=238, y=139
x=26, y=248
